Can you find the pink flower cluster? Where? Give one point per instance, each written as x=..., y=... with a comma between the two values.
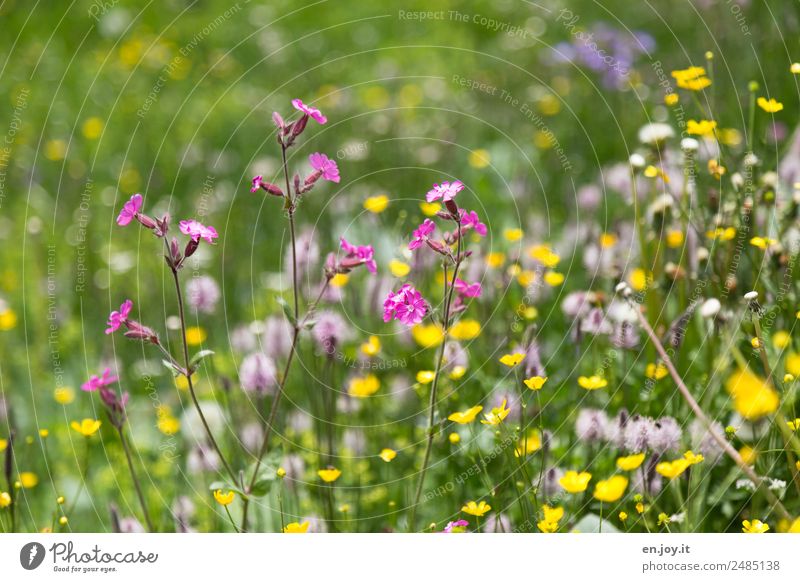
x=196, y=231
x=117, y=318
x=445, y=191
x=357, y=255
x=312, y=112
x=407, y=306
x=468, y=289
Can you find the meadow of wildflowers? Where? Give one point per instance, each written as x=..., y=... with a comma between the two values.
x=471, y=267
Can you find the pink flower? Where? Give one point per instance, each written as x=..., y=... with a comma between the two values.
x=469, y=220
x=197, y=231
x=313, y=112
x=358, y=255
x=421, y=234
x=256, y=183
x=325, y=166
x=456, y=526
x=468, y=290
x=407, y=306
x=446, y=191
x=96, y=382
x=117, y=318
x=129, y=210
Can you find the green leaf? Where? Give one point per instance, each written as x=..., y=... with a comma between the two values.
x=287, y=310
x=175, y=370
x=199, y=357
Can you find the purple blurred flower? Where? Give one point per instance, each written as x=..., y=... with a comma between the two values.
x=257, y=374
x=468, y=289
x=591, y=425
x=203, y=293
x=97, y=382
x=666, y=435
x=331, y=329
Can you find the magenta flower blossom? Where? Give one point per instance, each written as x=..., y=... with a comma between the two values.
x=407, y=306
x=421, y=234
x=312, y=112
x=196, y=231
x=470, y=220
x=358, y=255
x=257, y=181
x=446, y=191
x=97, y=382
x=326, y=167
x=117, y=318
x=467, y=289
x=129, y=210
x=457, y=526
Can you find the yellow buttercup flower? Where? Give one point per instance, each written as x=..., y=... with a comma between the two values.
x=544, y=255
x=623, y=516
x=702, y=127
x=28, y=480
x=362, y=387
x=725, y=234
x=535, y=382
x=528, y=445
x=372, y=346
x=44, y=433
x=716, y=169
x=339, y=280
x=794, y=424
x=376, y=204
x=693, y=458
x=454, y=438
x=3, y=445
x=769, y=105
x=87, y=427
x=428, y=336
x=513, y=234
x=296, y=528
x=65, y=395
x=762, y=243
x=5, y=499
x=553, y=279
x=329, y=475
x=755, y=526
x=663, y=519
x=693, y=78
x=92, y=128
x=608, y=240
x=781, y=339
x=574, y=482
x=512, y=360
x=465, y=329
x=552, y=515
x=748, y=455
x=425, y=376
x=640, y=508
x=476, y=509
x=753, y=397
x=631, y=462
x=8, y=319
x=430, y=208
x=457, y=372
x=671, y=99
x=656, y=371
x=224, y=498
x=466, y=416
x=795, y=68
x=610, y=490
x=479, y=159
x=497, y=415
x=495, y=260
x=640, y=279
x=674, y=239
x=672, y=469
x=399, y=269
x=195, y=335
x=592, y=382
x=387, y=455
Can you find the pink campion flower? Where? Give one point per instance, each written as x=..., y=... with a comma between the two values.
x=129, y=210
x=312, y=112
x=97, y=382
x=257, y=181
x=446, y=191
x=358, y=255
x=325, y=167
x=117, y=318
x=407, y=306
x=467, y=289
x=422, y=233
x=458, y=526
x=197, y=230
x=470, y=220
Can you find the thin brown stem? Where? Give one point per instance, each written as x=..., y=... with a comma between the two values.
x=690, y=400
x=135, y=479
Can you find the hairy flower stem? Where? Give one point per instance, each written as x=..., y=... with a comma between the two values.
x=135, y=479
x=297, y=326
x=698, y=412
x=448, y=297
x=185, y=344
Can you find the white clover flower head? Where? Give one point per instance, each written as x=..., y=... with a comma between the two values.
x=689, y=144
x=751, y=295
x=710, y=308
x=637, y=160
x=655, y=133
x=750, y=159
